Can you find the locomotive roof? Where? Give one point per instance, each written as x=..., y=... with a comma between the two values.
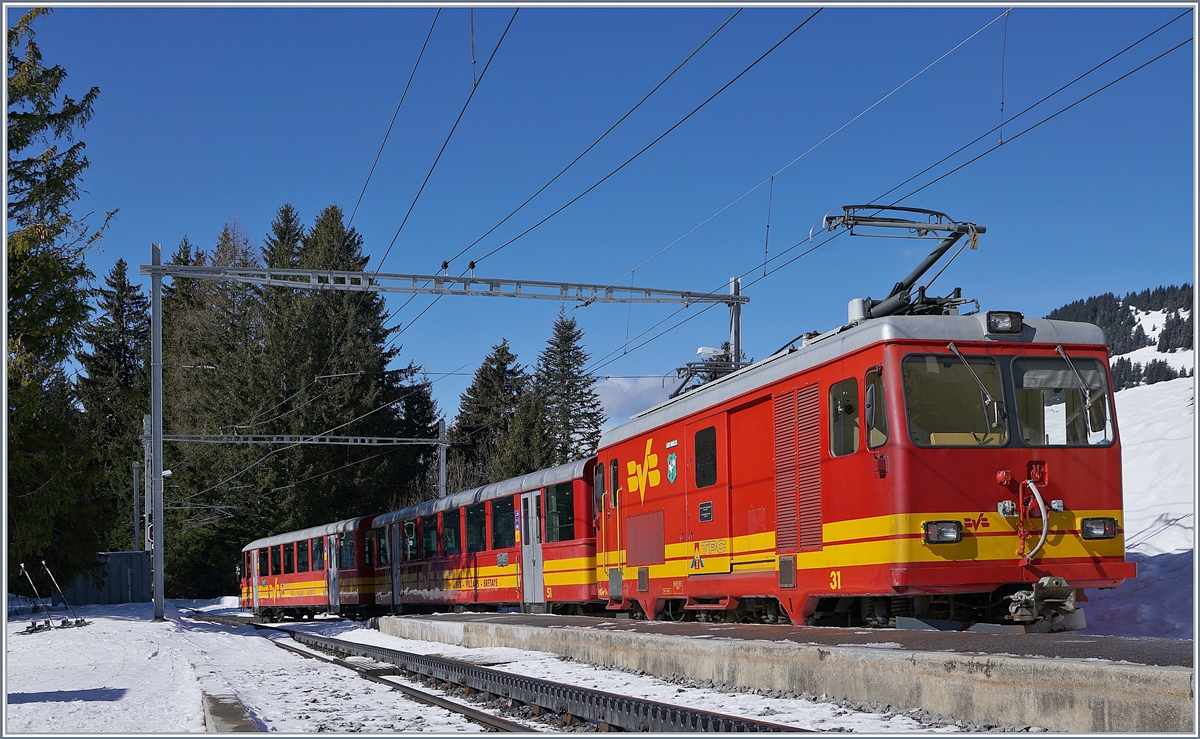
x=840, y=342
x=350, y=524
x=533, y=480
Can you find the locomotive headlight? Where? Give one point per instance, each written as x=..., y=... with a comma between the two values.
x=942, y=532
x=1098, y=528
x=1004, y=322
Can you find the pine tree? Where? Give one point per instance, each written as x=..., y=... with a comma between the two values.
x=574, y=415
x=528, y=447
x=1159, y=371
x=485, y=417
x=115, y=393
x=52, y=513
x=1126, y=374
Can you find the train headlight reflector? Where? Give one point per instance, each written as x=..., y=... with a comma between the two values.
x=1004, y=322
x=1098, y=528
x=942, y=532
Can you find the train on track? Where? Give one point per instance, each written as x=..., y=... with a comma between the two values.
x=914, y=467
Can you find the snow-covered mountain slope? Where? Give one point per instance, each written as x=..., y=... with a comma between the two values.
x=1157, y=450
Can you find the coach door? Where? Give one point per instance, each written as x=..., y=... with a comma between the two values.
x=254, y=577
x=331, y=569
x=531, y=551
x=395, y=551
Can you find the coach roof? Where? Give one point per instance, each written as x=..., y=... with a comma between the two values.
x=839, y=343
x=350, y=524
x=532, y=481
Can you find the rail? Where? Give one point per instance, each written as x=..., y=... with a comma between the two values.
x=608, y=710
x=483, y=718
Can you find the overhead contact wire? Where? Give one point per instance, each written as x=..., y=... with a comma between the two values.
x=598, y=140
x=646, y=148
x=394, y=115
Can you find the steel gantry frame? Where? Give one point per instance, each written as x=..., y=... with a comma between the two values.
x=316, y=279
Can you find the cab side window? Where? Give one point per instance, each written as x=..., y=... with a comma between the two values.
x=843, y=417
x=346, y=557
x=614, y=483
x=875, y=410
x=598, y=489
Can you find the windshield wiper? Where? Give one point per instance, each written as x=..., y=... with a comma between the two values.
x=1086, y=388
x=988, y=399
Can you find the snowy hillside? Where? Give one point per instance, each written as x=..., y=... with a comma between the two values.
x=1158, y=464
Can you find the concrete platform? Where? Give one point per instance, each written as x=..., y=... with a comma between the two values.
x=224, y=714
x=1059, y=693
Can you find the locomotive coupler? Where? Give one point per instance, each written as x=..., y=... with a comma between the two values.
x=1051, y=597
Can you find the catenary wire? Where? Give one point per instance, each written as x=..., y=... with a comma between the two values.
x=397, y=113
x=597, y=366
x=811, y=149
x=620, y=167
x=597, y=141
x=655, y=141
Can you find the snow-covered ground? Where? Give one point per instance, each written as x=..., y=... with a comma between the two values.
x=125, y=674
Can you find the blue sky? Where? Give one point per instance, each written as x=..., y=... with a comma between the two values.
x=206, y=114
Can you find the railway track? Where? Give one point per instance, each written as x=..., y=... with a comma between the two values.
x=483, y=718
x=608, y=711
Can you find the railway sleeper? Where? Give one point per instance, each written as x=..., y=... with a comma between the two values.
x=538, y=696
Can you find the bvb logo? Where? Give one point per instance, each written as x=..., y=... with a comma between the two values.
x=645, y=475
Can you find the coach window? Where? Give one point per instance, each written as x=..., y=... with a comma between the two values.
x=302, y=556
x=503, y=526
x=476, y=527
x=875, y=410
x=368, y=548
x=614, y=483
x=451, y=532
x=346, y=557
x=706, y=456
x=318, y=554
x=275, y=560
x=382, y=537
x=429, y=536
x=289, y=558
x=843, y=417
x=410, y=540
x=560, y=512
x=263, y=568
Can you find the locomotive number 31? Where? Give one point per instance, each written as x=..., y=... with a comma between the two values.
x=835, y=580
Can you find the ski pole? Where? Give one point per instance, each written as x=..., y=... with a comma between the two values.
x=78, y=620
x=35, y=591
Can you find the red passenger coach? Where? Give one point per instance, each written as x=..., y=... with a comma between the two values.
x=324, y=569
x=525, y=542
x=925, y=467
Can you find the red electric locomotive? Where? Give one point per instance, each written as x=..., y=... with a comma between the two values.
x=323, y=569
x=914, y=467
x=525, y=542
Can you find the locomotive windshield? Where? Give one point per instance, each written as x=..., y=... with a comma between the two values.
x=950, y=403
x=1053, y=401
